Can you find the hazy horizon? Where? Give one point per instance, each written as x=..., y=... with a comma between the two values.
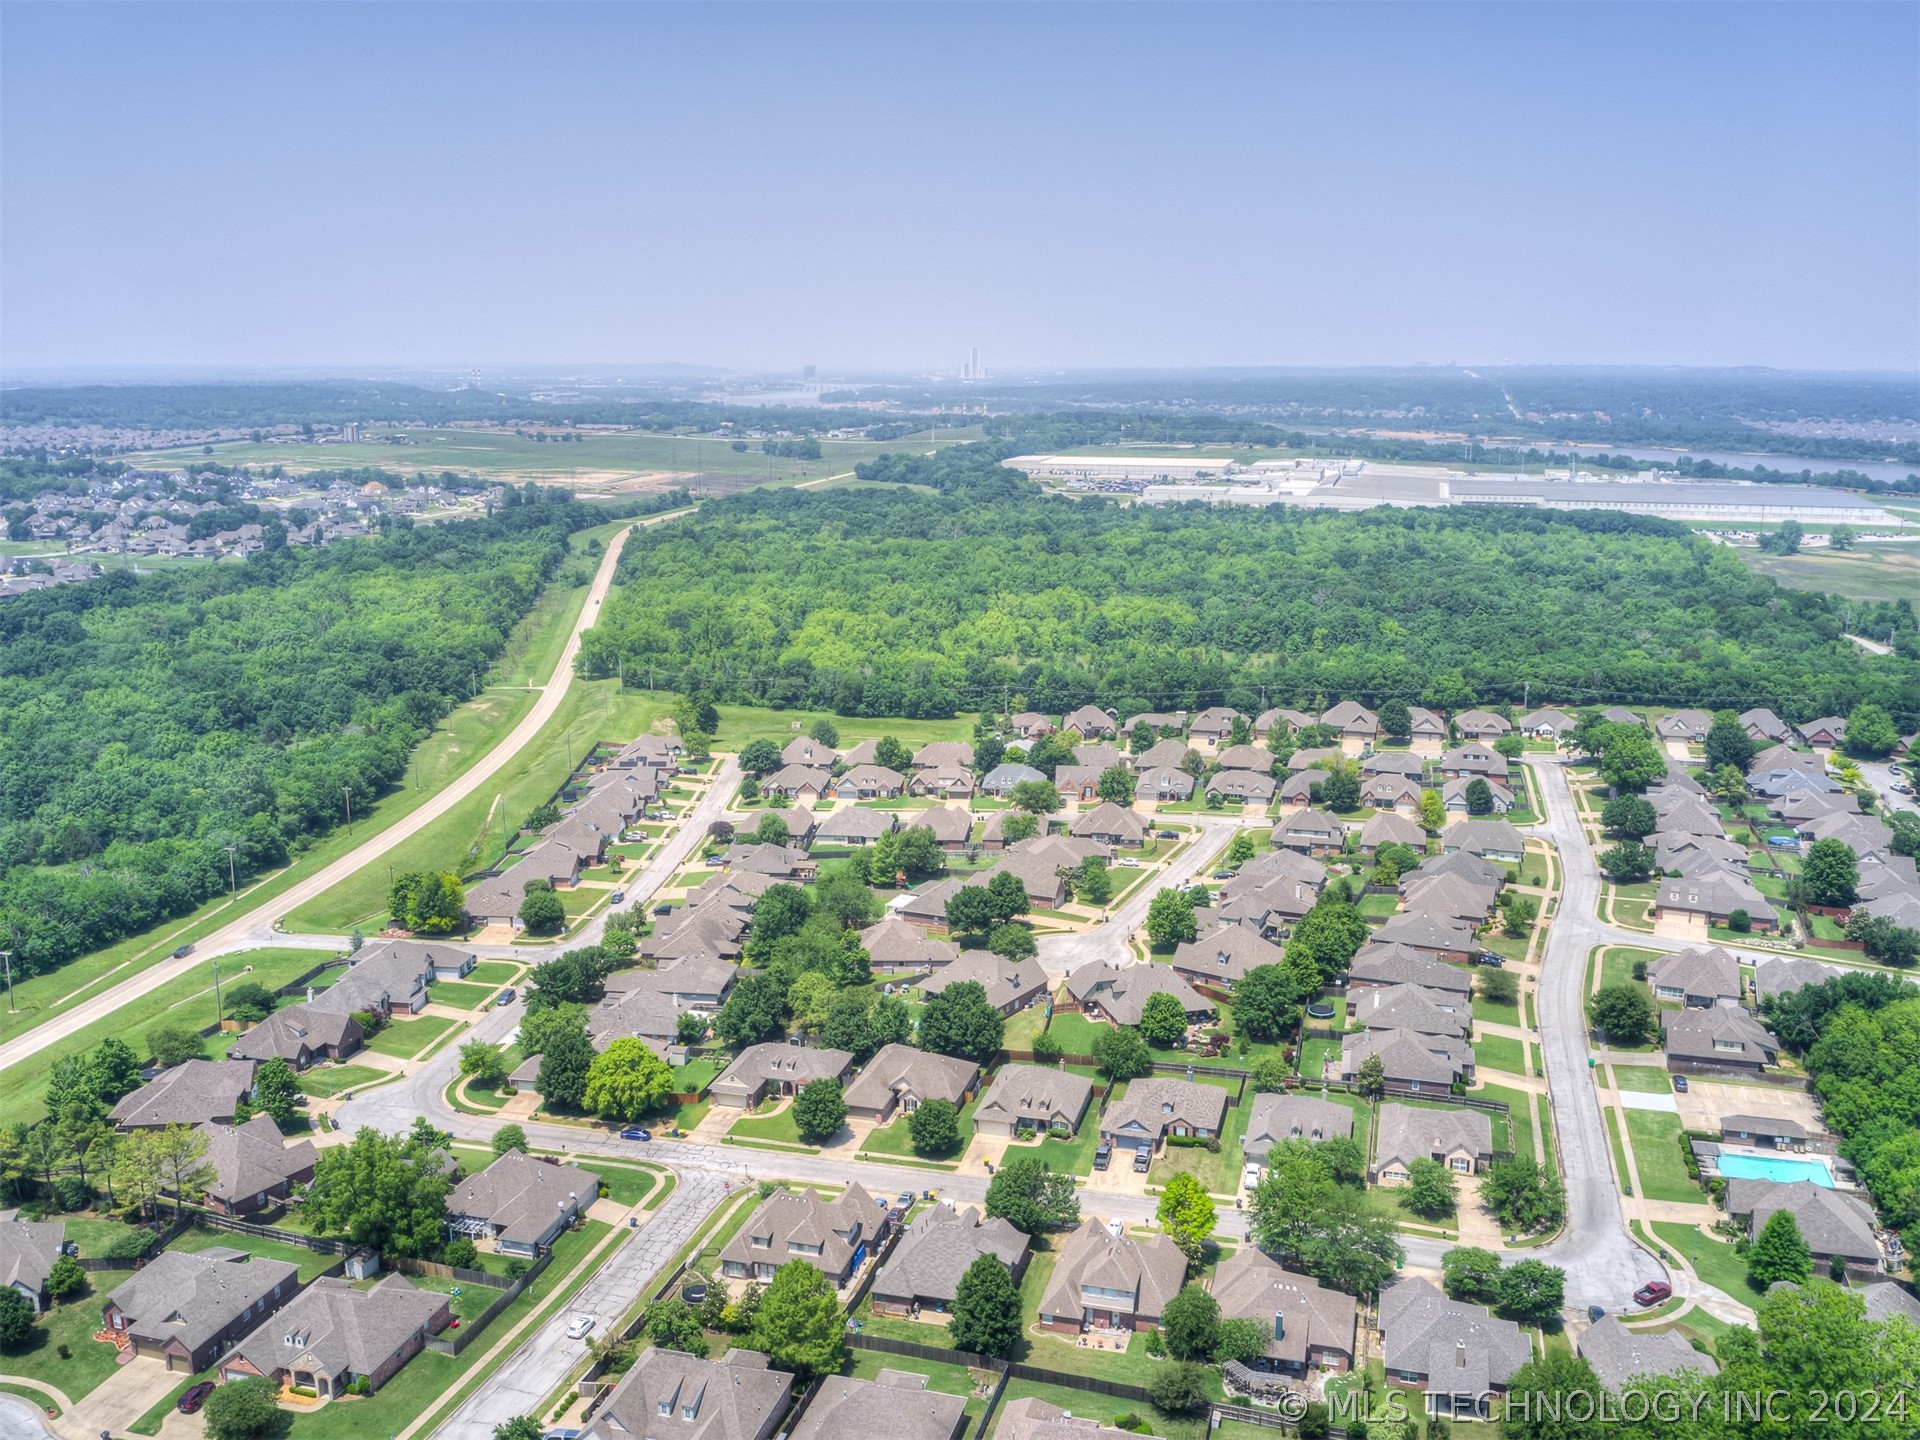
x=332, y=190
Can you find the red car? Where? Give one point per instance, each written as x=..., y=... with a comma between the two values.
x=195, y=1398
x=1652, y=1294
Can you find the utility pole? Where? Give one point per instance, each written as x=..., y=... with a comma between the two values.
x=6, y=958
x=347, y=790
x=219, y=1011
x=233, y=885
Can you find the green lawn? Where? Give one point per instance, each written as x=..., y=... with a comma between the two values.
x=1084, y=1404
x=431, y=1382
x=1647, y=1079
x=1313, y=1055
x=1519, y=1117
x=1022, y=1028
x=1217, y=1171
x=1654, y=1136
x=626, y=1185
x=70, y=1323
x=403, y=1039
x=1620, y=1170
x=696, y=1074
x=894, y=1139
x=493, y=973
x=1069, y=1155
x=777, y=1126
x=327, y=1080
x=1499, y=1052
x=93, y=1236
x=1378, y=906
x=1490, y=1012
x=311, y=1262
x=1714, y=1261
x=460, y=995
x=1075, y=1032
x=1616, y=963
x=947, y=1379
x=186, y=999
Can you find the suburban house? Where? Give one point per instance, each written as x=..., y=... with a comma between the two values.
x=854, y=826
x=1711, y=896
x=901, y=1077
x=1315, y=757
x=520, y=1203
x=733, y=889
x=894, y=944
x=1722, y=1037
x=798, y=782
x=999, y=781
x=1109, y=1281
x=253, y=1166
x=1824, y=733
x=869, y=782
x=1387, y=828
x=1164, y=785
x=1223, y=955
x=805, y=750
x=1413, y=1061
x=28, y=1249
x=1545, y=724
x=1011, y=985
x=1296, y=787
x=1433, y=935
x=1763, y=727
x=1481, y=725
x=1031, y=1418
x=1697, y=978
x=952, y=825
x=712, y=932
x=1157, y=721
x=1089, y=720
x=1768, y=1132
x=1109, y=824
x=1030, y=725
x=895, y=1403
x=1426, y=732
x=1244, y=757
x=1161, y=1105
x=1214, y=725
x=1313, y=1327
x=1162, y=754
x=193, y=1092
x=649, y=752
x=939, y=753
x=333, y=1333
x=1685, y=727
x=783, y=862
x=1390, y=964
x=833, y=1236
x=1782, y=975
x=1310, y=832
x=300, y=1035
x=1118, y=993
x=924, y=1271
x=383, y=979
x=1463, y=863
x=1618, y=1354
x=1458, y=1354
x=774, y=1068
x=1276, y=1118
x=1249, y=787
x=1489, y=839
x=1620, y=715
x=1032, y=1098
x=1474, y=760
x=1357, y=725
x=1451, y=897
x=185, y=1307
x=1456, y=801
x=1079, y=783
x=674, y=1396
x=1293, y=720
x=1832, y=1222
x=1410, y=1007
x=947, y=782
x=1461, y=1140
x=497, y=899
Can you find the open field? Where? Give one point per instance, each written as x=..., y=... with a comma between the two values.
x=1875, y=572
x=1655, y=1137
x=740, y=724
x=591, y=460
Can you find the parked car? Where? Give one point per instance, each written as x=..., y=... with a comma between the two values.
x=1166, y=834
x=1103, y=1155
x=1596, y=1313
x=1488, y=958
x=1251, y=1176
x=1653, y=1293
x=1223, y=874
x=637, y=1132
x=578, y=1327
x=1128, y=862
x=196, y=1397
x=616, y=897
x=1680, y=1083
x=506, y=996
x=183, y=951
x=1900, y=787
x=1142, y=1160
x=904, y=1199
x=663, y=909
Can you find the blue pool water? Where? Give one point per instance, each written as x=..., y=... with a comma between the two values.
x=1774, y=1167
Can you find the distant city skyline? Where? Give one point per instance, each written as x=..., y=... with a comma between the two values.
x=922, y=189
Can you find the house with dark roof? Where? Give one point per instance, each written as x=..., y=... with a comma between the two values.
x=1109, y=824
x=1723, y=1037
x=1413, y=1061
x=1357, y=725
x=798, y=782
x=834, y=1236
x=1164, y=784
x=1390, y=964
x=1481, y=725
x=999, y=781
x=1832, y=1222
x=1313, y=1327
x=193, y=1092
x=520, y=1203
x=895, y=1403
x=253, y=1166
x=670, y=1395
x=1696, y=978
x=901, y=1077
x=1213, y=726
x=184, y=1308
x=334, y=1334
x=1224, y=954
x=894, y=944
x=1461, y=1140
x=869, y=782
x=852, y=825
x=28, y=1249
x=924, y=1270
x=1410, y=1007
x=1011, y=985
x=1767, y=1132
x=1119, y=993
x=1032, y=1099
x=1489, y=839
x=1387, y=828
x=1162, y=754
x=301, y=1035
x=1474, y=760
x=1686, y=727
x=1436, y=936
x=1105, y=1281
x=1459, y=1355
x=805, y=750
x=1618, y=1354
x=1276, y=1118
x=384, y=980
x=773, y=1068
x=1763, y=727
x=1157, y=1106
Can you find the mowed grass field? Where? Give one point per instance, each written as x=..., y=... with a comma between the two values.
x=1873, y=572
x=592, y=458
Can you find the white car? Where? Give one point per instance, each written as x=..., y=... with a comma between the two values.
x=1128, y=862
x=1252, y=1176
x=578, y=1327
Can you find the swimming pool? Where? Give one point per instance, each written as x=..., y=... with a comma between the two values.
x=1774, y=1167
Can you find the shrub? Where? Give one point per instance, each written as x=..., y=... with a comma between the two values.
x=1046, y=1049
x=1179, y=1388
x=72, y=1192
x=461, y=1253
x=1740, y=922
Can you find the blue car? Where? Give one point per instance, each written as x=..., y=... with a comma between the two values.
x=636, y=1134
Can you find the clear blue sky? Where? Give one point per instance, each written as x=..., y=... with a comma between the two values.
x=885, y=186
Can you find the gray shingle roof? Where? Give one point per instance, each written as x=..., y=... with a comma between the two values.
x=937, y=1249
x=1400, y=964
x=892, y=1405
x=793, y=1064
x=894, y=941
x=1460, y=1349
x=1036, y=1093
x=668, y=1395
x=1226, y=952
x=1249, y=1285
x=1618, y=1354
x=1150, y=1270
x=785, y=1219
x=1430, y=1059
x=253, y=1157
x=288, y=1033
x=337, y=1329
x=1122, y=991
x=1410, y=1132
x=28, y=1249
x=521, y=1196
x=1708, y=974
x=1007, y=982
x=190, y=1093
x=1410, y=1007
x=191, y=1296
x=1830, y=1222
x=1276, y=1118
x=902, y=1070
x=1155, y=1102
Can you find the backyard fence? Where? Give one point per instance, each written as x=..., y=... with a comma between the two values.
x=408, y=1266
x=157, y=1242
x=213, y=1220
x=452, y=1342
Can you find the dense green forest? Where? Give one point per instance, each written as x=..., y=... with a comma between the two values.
x=148, y=722
x=877, y=602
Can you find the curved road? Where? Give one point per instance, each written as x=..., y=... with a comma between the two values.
x=256, y=926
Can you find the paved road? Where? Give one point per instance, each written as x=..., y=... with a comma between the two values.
x=256, y=926
x=1880, y=775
